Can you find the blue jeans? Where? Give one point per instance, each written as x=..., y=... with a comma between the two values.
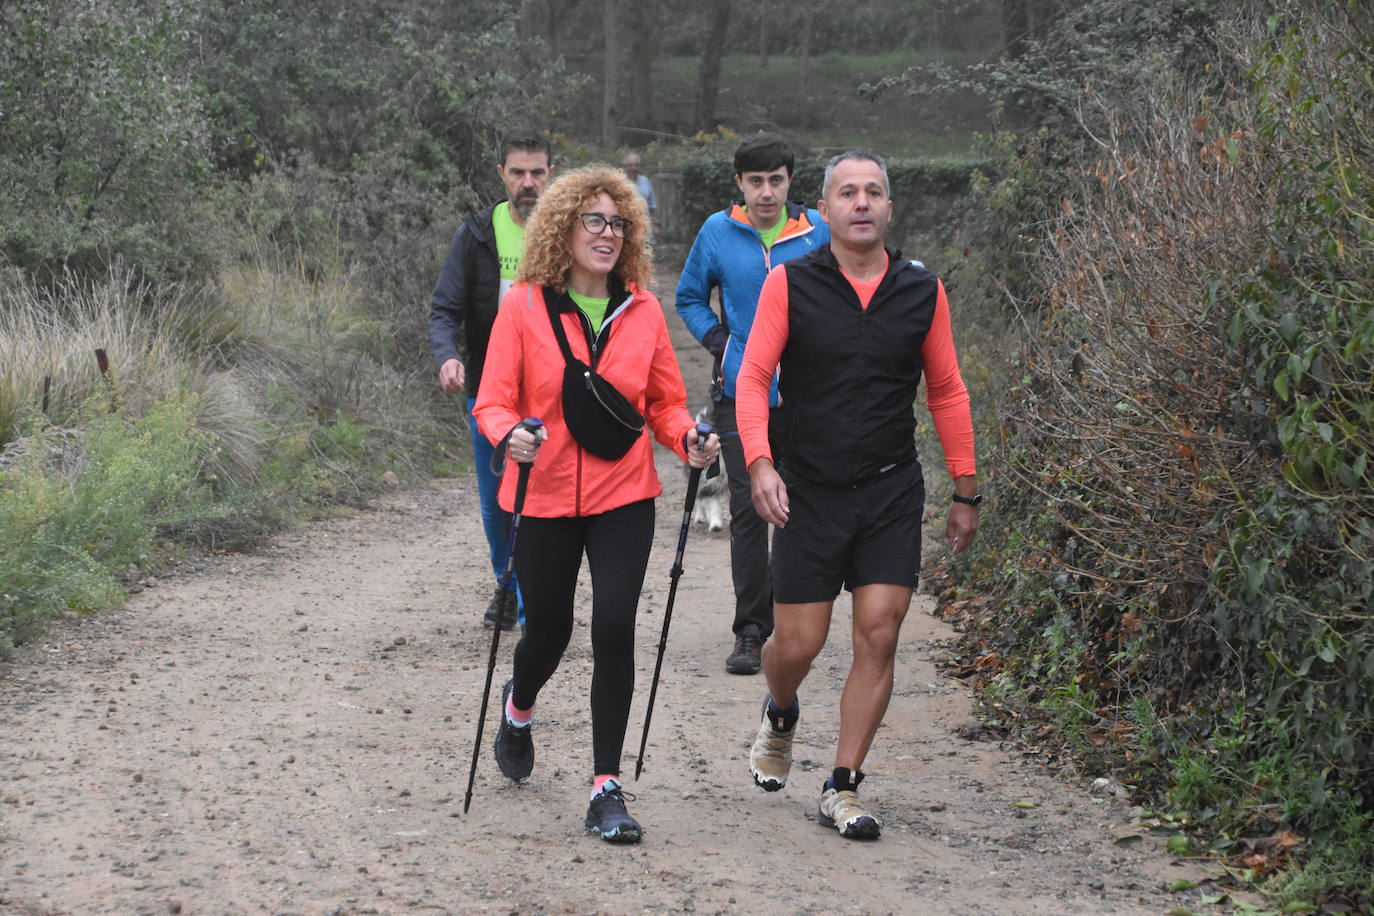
x=495, y=520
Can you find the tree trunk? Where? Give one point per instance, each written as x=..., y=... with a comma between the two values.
x=610, y=98
x=641, y=40
x=763, y=33
x=1015, y=26
x=1040, y=17
x=717, y=27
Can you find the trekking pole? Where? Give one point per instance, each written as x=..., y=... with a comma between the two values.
x=507, y=596
x=703, y=430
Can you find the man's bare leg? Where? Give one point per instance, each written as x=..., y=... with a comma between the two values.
x=799, y=632
x=878, y=614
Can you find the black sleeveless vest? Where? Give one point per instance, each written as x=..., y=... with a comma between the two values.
x=848, y=374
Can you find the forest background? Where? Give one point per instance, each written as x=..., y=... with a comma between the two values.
x=220, y=222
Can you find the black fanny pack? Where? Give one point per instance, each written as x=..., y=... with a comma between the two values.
x=599, y=417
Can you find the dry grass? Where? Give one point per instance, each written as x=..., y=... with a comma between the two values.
x=53, y=334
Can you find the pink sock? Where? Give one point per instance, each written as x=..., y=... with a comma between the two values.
x=518, y=717
x=600, y=781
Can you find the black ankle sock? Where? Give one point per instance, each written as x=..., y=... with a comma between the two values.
x=843, y=778
x=783, y=719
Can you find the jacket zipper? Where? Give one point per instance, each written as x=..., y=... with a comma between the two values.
x=577, y=488
x=585, y=323
x=592, y=350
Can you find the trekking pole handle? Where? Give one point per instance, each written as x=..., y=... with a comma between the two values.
x=523, y=480
x=536, y=426
x=704, y=431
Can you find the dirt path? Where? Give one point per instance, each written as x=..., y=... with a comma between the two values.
x=289, y=732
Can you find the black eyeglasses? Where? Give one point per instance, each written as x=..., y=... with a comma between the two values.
x=595, y=222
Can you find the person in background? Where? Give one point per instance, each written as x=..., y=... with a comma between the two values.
x=586, y=270
x=848, y=496
x=643, y=185
x=733, y=252
x=481, y=265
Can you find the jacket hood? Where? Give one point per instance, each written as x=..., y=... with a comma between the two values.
x=479, y=222
x=616, y=289
x=798, y=223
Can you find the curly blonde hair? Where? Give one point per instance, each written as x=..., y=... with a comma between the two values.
x=547, y=257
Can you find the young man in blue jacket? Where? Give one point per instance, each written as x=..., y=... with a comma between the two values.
x=480, y=267
x=733, y=252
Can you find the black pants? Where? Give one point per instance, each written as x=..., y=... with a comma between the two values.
x=547, y=559
x=749, y=562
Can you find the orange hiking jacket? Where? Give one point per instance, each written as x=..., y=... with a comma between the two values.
x=523, y=377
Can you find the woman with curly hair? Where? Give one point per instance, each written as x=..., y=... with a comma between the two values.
x=585, y=272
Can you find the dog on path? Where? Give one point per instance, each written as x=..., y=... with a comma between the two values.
x=712, y=507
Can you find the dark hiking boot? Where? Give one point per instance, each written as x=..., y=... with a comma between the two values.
x=514, y=746
x=746, y=656
x=607, y=816
x=494, y=617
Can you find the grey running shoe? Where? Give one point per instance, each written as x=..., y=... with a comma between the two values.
x=606, y=816
x=842, y=809
x=770, y=759
x=745, y=658
x=493, y=617
x=514, y=746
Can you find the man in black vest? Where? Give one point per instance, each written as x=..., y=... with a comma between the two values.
x=853, y=328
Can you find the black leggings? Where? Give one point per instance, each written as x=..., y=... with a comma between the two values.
x=547, y=559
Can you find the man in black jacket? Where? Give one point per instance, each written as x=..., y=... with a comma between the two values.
x=481, y=265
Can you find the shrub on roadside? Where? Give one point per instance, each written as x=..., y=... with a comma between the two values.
x=1184, y=472
x=244, y=406
x=66, y=535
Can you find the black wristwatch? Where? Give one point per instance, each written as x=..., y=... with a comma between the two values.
x=975, y=500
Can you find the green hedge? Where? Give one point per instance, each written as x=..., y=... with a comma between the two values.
x=1181, y=540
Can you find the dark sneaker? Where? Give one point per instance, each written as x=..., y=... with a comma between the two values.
x=842, y=809
x=770, y=757
x=607, y=816
x=493, y=616
x=745, y=658
x=514, y=746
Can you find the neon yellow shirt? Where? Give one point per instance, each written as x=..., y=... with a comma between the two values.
x=769, y=236
x=509, y=238
x=594, y=309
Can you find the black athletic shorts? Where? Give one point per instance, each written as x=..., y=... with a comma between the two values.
x=845, y=537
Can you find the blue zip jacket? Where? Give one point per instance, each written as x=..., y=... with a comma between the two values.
x=728, y=253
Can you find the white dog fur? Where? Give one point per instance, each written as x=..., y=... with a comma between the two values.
x=712, y=508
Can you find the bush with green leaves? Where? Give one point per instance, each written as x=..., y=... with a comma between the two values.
x=1184, y=495
x=102, y=138
x=67, y=534
x=282, y=396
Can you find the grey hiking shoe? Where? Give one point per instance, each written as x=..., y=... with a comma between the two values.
x=493, y=617
x=842, y=809
x=770, y=759
x=514, y=746
x=745, y=658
